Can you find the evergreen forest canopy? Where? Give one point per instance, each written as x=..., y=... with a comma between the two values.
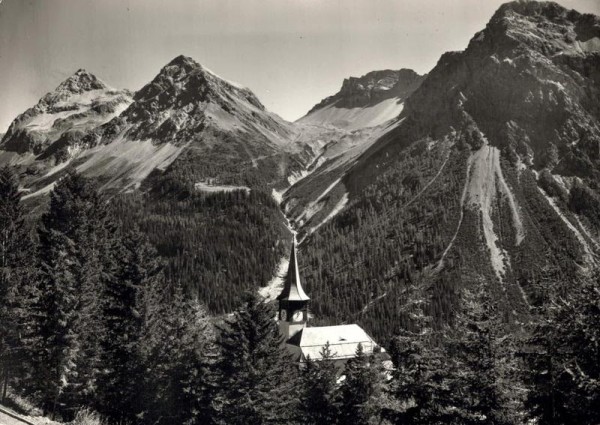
x=94, y=320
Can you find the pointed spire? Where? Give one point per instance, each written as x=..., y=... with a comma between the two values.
x=292, y=288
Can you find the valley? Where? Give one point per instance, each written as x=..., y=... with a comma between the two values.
x=454, y=215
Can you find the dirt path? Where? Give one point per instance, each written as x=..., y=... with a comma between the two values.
x=429, y=183
x=8, y=417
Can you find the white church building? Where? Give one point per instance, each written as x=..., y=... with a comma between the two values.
x=304, y=341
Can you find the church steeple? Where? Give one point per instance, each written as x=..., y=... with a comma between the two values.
x=292, y=288
x=293, y=301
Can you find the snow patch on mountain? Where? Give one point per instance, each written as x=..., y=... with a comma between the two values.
x=231, y=83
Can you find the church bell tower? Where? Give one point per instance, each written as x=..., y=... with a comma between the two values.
x=293, y=301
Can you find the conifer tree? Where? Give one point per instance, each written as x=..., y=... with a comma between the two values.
x=364, y=384
x=319, y=403
x=178, y=346
x=475, y=375
x=562, y=356
x=73, y=253
x=124, y=311
x=15, y=256
x=257, y=381
x=420, y=386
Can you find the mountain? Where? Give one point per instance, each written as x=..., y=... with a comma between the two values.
x=489, y=178
x=484, y=172
x=368, y=101
x=218, y=129
x=192, y=159
x=78, y=105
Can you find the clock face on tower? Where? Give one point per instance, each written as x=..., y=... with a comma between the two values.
x=298, y=316
x=283, y=315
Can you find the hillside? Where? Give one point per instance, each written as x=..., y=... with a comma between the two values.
x=365, y=109
x=490, y=176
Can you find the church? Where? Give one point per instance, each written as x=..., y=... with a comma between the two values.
x=303, y=341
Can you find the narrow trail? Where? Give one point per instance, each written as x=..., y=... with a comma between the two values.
x=424, y=188
x=414, y=198
x=370, y=303
x=338, y=207
x=313, y=207
x=8, y=417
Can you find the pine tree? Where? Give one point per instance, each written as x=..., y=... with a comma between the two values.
x=15, y=255
x=364, y=384
x=319, y=402
x=124, y=311
x=178, y=346
x=420, y=383
x=408, y=386
x=561, y=359
x=74, y=260
x=475, y=375
x=256, y=380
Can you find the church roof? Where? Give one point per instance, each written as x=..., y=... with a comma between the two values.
x=292, y=288
x=343, y=341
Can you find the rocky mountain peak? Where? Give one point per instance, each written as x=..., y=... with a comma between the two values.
x=80, y=82
x=544, y=27
x=372, y=88
x=183, y=81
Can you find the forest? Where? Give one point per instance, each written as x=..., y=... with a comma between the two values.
x=97, y=328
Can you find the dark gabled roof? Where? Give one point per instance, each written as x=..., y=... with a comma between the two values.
x=292, y=288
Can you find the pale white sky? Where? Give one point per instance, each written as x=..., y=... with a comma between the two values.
x=291, y=53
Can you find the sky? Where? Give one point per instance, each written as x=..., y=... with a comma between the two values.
x=290, y=53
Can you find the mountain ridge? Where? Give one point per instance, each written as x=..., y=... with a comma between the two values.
x=482, y=170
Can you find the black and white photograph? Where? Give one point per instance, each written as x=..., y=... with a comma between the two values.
x=304, y=212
